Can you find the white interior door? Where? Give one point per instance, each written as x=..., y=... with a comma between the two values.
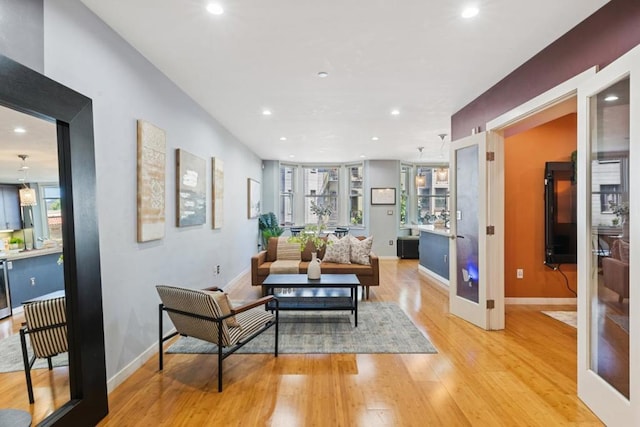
x=476, y=276
x=608, y=134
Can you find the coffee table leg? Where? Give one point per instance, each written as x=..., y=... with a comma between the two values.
x=354, y=291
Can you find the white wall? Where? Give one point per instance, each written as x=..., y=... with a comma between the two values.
x=86, y=55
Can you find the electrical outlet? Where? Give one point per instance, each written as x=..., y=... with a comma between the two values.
x=519, y=273
x=33, y=281
x=390, y=242
x=217, y=269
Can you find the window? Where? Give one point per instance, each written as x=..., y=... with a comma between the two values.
x=405, y=187
x=356, y=199
x=609, y=197
x=321, y=186
x=287, y=191
x=51, y=198
x=432, y=193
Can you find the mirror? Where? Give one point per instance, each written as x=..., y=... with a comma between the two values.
x=27, y=91
x=30, y=253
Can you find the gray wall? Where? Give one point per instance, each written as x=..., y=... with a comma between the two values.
x=271, y=187
x=382, y=226
x=21, y=35
x=84, y=54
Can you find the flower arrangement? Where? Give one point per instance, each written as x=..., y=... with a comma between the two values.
x=309, y=234
x=620, y=210
x=321, y=210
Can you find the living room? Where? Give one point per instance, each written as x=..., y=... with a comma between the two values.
x=82, y=52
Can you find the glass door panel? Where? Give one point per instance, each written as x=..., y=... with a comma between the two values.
x=609, y=326
x=467, y=208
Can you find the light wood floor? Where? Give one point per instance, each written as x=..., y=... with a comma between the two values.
x=524, y=375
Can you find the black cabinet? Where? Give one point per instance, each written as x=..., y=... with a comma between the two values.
x=9, y=208
x=407, y=247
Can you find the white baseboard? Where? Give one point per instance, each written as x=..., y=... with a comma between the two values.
x=540, y=301
x=238, y=278
x=438, y=279
x=133, y=366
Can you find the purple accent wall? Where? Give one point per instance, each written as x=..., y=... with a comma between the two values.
x=598, y=40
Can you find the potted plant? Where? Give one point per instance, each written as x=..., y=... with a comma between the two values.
x=311, y=234
x=15, y=243
x=269, y=227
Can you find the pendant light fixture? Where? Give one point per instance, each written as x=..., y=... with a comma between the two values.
x=27, y=195
x=421, y=180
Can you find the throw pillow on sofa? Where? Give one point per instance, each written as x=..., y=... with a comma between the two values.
x=338, y=250
x=360, y=250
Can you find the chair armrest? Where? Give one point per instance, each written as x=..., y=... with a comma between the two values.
x=253, y=304
x=375, y=266
x=256, y=261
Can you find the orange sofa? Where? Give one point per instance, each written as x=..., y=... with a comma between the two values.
x=369, y=275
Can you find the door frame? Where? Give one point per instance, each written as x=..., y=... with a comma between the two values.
x=606, y=402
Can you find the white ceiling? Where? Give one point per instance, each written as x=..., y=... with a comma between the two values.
x=418, y=56
x=39, y=142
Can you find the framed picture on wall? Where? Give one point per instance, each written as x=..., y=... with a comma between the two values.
x=253, y=198
x=383, y=196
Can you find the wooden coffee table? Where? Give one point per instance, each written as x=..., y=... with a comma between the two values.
x=335, y=292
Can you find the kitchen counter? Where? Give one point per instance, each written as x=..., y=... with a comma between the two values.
x=34, y=273
x=32, y=253
x=434, y=253
x=429, y=228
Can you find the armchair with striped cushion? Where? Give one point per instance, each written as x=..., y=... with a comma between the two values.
x=204, y=314
x=46, y=325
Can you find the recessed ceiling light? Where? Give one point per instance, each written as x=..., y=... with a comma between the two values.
x=470, y=12
x=215, y=9
x=266, y=112
x=20, y=179
x=362, y=156
x=395, y=112
x=323, y=74
x=374, y=138
x=283, y=138
x=291, y=156
x=20, y=130
x=611, y=98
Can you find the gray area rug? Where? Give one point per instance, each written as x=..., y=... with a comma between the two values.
x=620, y=320
x=382, y=328
x=11, y=356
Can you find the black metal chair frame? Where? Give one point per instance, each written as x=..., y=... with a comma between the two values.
x=222, y=354
x=28, y=363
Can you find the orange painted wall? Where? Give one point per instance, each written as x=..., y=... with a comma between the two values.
x=525, y=157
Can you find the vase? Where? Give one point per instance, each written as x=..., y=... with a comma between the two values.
x=313, y=271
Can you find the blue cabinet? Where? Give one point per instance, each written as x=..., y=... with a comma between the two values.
x=33, y=277
x=434, y=253
x=9, y=208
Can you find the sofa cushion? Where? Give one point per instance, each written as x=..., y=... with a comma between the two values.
x=272, y=249
x=309, y=249
x=360, y=250
x=287, y=251
x=338, y=250
x=335, y=268
x=623, y=250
